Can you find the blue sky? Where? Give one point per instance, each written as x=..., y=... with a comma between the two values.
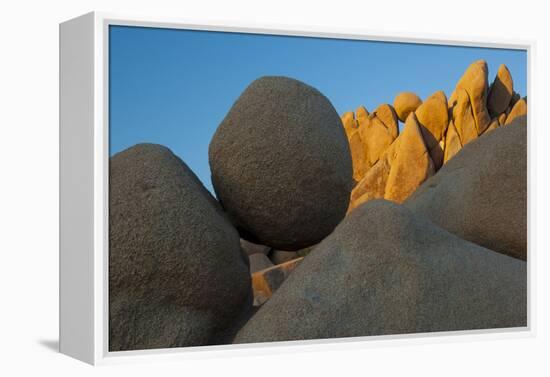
x=173, y=87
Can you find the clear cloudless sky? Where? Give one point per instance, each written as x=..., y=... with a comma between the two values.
x=173, y=87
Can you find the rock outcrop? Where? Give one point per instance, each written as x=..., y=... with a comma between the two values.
x=481, y=194
x=475, y=83
x=473, y=109
x=433, y=119
x=519, y=109
x=177, y=275
x=280, y=138
x=412, y=164
x=501, y=91
x=405, y=103
x=385, y=270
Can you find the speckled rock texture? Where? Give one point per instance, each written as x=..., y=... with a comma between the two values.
x=385, y=270
x=281, y=164
x=481, y=193
x=177, y=275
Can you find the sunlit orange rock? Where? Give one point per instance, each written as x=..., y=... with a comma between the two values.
x=412, y=164
x=405, y=103
x=452, y=143
x=463, y=117
x=433, y=118
x=519, y=109
x=474, y=81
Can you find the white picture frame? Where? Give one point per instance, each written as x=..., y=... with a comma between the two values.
x=84, y=158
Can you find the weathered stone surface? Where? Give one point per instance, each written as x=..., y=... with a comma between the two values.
x=494, y=124
x=475, y=83
x=359, y=156
x=501, y=91
x=378, y=130
x=250, y=248
x=386, y=271
x=259, y=262
x=386, y=114
x=362, y=116
x=349, y=123
x=412, y=164
x=176, y=271
x=463, y=117
x=502, y=119
x=405, y=103
x=481, y=194
x=373, y=185
x=519, y=109
x=433, y=118
x=305, y=251
x=267, y=281
x=281, y=164
x=452, y=142
x=281, y=256
x=377, y=139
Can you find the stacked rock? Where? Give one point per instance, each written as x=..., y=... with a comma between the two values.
x=186, y=269
x=179, y=262
x=420, y=267
x=434, y=132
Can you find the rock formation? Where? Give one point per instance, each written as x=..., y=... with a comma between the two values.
x=412, y=164
x=385, y=270
x=519, y=109
x=473, y=109
x=433, y=119
x=481, y=194
x=282, y=137
x=177, y=275
x=405, y=103
x=501, y=91
x=435, y=237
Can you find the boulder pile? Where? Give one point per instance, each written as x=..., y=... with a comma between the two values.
x=434, y=238
x=392, y=166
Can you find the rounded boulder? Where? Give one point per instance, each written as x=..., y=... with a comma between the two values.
x=405, y=103
x=281, y=164
x=177, y=276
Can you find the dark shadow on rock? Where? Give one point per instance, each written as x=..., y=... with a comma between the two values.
x=52, y=345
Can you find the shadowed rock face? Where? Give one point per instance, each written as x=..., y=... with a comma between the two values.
x=177, y=275
x=281, y=164
x=385, y=270
x=481, y=194
x=519, y=110
x=501, y=91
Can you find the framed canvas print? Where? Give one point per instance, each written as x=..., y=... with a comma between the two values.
x=225, y=188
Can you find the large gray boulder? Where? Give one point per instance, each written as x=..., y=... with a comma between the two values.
x=481, y=193
x=385, y=270
x=281, y=164
x=177, y=275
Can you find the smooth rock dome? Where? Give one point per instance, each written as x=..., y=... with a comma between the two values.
x=385, y=270
x=281, y=164
x=481, y=194
x=177, y=276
